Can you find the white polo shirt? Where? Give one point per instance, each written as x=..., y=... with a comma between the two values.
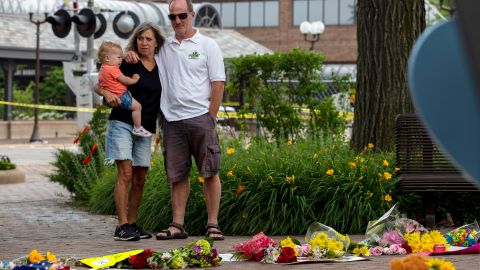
x=186, y=71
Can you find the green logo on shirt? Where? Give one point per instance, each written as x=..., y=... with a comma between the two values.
x=194, y=55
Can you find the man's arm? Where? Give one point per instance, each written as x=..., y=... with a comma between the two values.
x=111, y=98
x=216, y=98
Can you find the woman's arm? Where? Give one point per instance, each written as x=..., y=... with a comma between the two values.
x=111, y=98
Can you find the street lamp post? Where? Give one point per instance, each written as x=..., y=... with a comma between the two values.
x=312, y=31
x=36, y=94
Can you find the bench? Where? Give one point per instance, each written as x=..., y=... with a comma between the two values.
x=423, y=167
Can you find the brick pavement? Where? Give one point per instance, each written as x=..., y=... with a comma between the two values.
x=38, y=214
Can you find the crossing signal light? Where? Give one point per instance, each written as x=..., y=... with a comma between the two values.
x=101, y=25
x=86, y=22
x=124, y=24
x=61, y=23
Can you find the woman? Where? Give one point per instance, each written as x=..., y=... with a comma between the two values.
x=131, y=154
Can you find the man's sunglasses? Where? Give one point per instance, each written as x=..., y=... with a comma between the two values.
x=181, y=16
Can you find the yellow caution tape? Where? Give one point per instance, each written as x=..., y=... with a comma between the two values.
x=346, y=115
x=49, y=107
x=109, y=260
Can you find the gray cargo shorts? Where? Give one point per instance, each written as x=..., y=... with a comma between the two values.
x=183, y=139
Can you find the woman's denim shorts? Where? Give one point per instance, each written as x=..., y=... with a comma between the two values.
x=121, y=144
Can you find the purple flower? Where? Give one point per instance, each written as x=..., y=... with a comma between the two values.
x=376, y=251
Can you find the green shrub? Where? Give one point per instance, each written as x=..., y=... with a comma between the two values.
x=286, y=93
x=71, y=172
x=285, y=188
x=6, y=165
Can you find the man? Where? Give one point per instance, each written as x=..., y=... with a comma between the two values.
x=192, y=75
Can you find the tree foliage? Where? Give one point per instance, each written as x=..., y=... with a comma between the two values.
x=285, y=92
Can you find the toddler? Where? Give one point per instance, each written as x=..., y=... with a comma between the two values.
x=112, y=79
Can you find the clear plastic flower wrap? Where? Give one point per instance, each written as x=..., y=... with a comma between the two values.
x=390, y=228
x=464, y=236
x=336, y=244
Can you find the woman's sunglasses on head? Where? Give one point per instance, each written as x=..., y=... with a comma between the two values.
x=181, y=16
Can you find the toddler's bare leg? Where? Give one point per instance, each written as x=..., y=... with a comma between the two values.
x=136, y=113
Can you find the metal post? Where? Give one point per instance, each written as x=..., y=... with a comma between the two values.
x=36, y=94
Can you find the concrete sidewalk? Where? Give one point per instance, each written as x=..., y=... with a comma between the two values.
x=37, y=215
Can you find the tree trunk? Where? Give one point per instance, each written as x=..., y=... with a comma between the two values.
x=386, y=32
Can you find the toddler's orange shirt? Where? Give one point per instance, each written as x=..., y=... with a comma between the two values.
x=107, y=77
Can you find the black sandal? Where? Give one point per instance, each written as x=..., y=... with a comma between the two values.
x=216, y=231
x=182, y=234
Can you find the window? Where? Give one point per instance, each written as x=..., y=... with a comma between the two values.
x=327, y=11
x=249, y=14
x=256, y=13
x=300, y=11
x=347, y=11
x=315, y=10
x=242, y=14
x=271, y=13
x=228, y=14
x=331, y=12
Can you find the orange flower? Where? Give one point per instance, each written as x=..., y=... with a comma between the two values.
x=85, y=129
x=240, y=189
x=89, y=157
x=230, y=151
x=388, y=198
x=289, y=142
x=329, y=172
x=201, y=179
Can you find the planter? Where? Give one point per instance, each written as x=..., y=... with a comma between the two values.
x=11, y=176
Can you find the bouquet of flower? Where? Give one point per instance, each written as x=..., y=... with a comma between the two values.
x=196, y=254
x=325, y=242
x=465, y=236
x=254, y=249
x=426, y=241
x=36, y=261
x=389, y=229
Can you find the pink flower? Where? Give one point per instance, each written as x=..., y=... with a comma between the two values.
x=376, y=251
x=304, y=249
x=391, y=238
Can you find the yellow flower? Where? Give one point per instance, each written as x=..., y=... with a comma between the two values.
x=201, y=179
x=290, y=179
x=51, y=257
x=371, y=146
x=388, y=198
x=387, y=176
x=229, y=173
x=270, y=178
x=335, y=245
x=352, y=164
x=357, y=252
x=385, y=163
x=230, y=151
x=35, y=256
x=440, y=264
x=360, y=159
x=329, y=172
x=289, y=142
x=397, y=169
x=365, y=251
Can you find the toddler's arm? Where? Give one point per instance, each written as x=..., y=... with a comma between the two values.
x=127, y=80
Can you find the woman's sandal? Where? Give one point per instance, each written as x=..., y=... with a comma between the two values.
x=215, y=231
x=182, y=234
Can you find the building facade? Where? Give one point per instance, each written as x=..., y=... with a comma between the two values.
x=275, y=24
